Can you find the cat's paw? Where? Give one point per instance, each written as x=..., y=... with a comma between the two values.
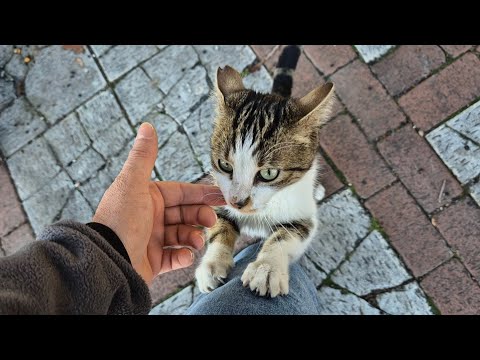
x=210, y=274
x=319, y=192
x=266, y=278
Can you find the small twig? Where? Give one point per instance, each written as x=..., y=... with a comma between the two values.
x=257, y=66
x=440, y=196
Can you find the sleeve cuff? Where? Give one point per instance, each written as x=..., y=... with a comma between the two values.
x=112, y=238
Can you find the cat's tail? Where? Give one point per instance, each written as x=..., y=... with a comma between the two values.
x=283, y=76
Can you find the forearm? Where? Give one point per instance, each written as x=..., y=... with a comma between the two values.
x=72, y=270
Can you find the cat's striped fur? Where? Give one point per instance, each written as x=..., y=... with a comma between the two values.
x=264, y=159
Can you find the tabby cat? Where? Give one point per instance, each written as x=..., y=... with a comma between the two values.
x=265, y=161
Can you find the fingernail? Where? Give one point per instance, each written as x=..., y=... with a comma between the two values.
x=203, y=239
x=191, y=254
x=146, y=131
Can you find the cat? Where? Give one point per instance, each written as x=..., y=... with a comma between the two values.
x=264, y=159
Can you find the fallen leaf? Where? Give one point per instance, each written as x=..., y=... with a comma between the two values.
x=77, y=49
x=80, y=62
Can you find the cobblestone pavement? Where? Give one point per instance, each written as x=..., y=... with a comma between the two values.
x=400, y=223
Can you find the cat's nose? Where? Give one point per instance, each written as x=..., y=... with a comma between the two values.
x=238, y=204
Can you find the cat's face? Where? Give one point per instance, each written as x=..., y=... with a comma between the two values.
x=263, y=143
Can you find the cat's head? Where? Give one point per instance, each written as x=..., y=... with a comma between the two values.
x=263, y=143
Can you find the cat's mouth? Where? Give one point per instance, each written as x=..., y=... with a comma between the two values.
x=247, y=210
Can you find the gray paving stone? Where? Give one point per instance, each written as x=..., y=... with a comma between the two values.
x=99, y=113
x=468, y=122
x=18, y=125
x=6, y=52
x=16, y=67
x=115, y=163
x=342, y=223
x=175, y=305
x=260, y=81
x=32, y=167
x=77, y=209
x=168, y=67
x=99, y=50
x=334, y=302
x=186, y=93
x=161, y=47
x=461, y=155
x=114, y=139
x=7, y=92
x=94, y=188
x=372, y=266
x=214, y=56
x=139, y=95
x=45, y=206
x=164, y=125
x=85, y=166
x=475, y=192
x=60, y=80
x=176, y=160
x=122, y=58
x=316, y=275
x=410, y=300
x=369, y=53
x=199, y=127
x=68, y=139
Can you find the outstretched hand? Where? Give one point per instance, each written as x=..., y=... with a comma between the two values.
x=156, y=221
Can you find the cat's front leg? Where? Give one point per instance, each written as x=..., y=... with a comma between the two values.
x=269, y=273
x=218, y=259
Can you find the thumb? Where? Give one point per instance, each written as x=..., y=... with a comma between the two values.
x=141, y=158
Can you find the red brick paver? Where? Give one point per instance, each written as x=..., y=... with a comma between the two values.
x=306, y=78
x=328, y=58
x=453, y=290
x=446, y=92
x=460, y=225
x=11, y=213
x=406, y=66
x=409, y=230
x=455, y=50
x=354, y=156
x=419, y=168
x=366, y=98
x=18, y=238
x=328, y=179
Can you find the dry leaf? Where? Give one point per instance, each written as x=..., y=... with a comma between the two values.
x=80, y=62
x=77, y=49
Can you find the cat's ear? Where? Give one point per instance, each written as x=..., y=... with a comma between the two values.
x=229, y=81
x=317, y=105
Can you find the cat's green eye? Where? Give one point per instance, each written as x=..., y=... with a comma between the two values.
x=267, y=175
x=225, y=166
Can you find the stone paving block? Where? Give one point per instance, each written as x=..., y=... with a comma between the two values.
x=467, y=122
x=453, y=290
x=368, y=101
x=138, y=94
x=115, y=163
x=85, y=166
x=6, y=52
x=456, y=50
x=407, y=66
x=45, y=206
x=17, y=68
x=475, y=192
x=263, y=50
x=409, y=300
x=372, y=266
x=7, y=92
x=461, y=155
x=444, y=93
x=32, y=167
x=11, y=213
x=19, y=124
x=419, y=168
x=164, y=125
x=176, y=160
x=60, y=80
x=168, y=67
x=17, y=239
x=94, y=188
x=460, y=226
x=410, y=231
x=68, y=139
x=215, y=56
x=260, y=81
x=354, y=156
x=305, y=78
x=175, y=305
x=316, y=275
x=99, y=113
x=342, y=222
x=334, y=302
x=77, y=209
x=186, y=93
x=122, y=58
x=329, y=58
x=370, y=53
x=99, y=50
x=328, y=178
x=114, y=139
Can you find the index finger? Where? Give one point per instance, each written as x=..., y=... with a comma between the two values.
x=178, y=193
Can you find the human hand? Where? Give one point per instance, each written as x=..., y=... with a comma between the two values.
x=154, y=220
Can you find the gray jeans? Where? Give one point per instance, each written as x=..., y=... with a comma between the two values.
x=233, y=299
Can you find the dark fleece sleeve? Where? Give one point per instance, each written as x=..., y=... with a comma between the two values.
x=71, y=270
